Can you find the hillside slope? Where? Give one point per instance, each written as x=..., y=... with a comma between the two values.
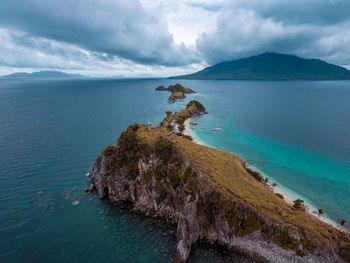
x=272, y=66
x=43, y=74
x=211, y=196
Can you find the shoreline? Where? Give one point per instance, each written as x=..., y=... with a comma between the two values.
x=287, y=197
x=187, y=128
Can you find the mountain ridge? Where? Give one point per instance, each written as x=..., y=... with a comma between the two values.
x=271, y=66
x=42, y=74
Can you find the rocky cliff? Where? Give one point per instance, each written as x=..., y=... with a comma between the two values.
x=210, y=196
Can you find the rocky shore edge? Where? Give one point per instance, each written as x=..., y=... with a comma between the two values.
x=172, y=188
x=178, y=92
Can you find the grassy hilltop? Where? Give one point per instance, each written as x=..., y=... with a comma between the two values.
x=210, y=194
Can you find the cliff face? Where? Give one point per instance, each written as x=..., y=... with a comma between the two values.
x=210, y=196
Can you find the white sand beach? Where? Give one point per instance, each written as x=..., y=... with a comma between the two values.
x=286, y=196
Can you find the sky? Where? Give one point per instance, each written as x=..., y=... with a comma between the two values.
x=150, y=38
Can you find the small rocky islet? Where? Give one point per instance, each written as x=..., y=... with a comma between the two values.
x=210, y=195
x=178, y=92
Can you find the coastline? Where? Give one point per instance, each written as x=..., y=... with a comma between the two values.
x=287, y=196
x=187, y=128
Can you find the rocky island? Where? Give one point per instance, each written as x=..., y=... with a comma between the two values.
x=210, y=195
x=177, y=91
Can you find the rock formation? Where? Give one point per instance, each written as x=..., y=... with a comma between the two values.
x=211, y=196
x=178, y=91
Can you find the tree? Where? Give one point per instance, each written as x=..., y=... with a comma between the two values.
x=342, y=223
x=320, y=212
x=181, y=127
x=299, y=204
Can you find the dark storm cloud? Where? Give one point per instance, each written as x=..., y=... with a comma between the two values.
x=319, y=12
x=313, y=28
x=122, y=33
x=120, y=28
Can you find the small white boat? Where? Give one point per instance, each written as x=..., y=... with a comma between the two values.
x=149, y=124
x=216, y=129
x=193, y=123
x=76, y=202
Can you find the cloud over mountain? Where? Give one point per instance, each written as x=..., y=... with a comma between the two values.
x=164, y=36
x=315, y=28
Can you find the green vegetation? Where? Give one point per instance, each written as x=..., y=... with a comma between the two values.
x=181, y=127
x=108, y=151
x=188, y=137
x=230, y=211
x=164, y=148
x=177, y=91
x=185, y=174
x=177, y=88
x=176, y=96
x=320, y=212
x=342, y=223
x=248, y=225
x=299, y=204
x=239, y=188
x=219, y=184
x=191, y=188
x=279, y=195
x=272, y=66
x=196, y=105
x=255, y=174
x=193, y=108
x=286, y=241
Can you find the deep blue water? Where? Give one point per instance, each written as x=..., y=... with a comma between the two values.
x=297, y=133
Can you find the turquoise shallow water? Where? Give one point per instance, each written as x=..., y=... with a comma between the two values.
x=297, y=133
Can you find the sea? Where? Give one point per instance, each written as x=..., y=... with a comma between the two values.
x=297, y=133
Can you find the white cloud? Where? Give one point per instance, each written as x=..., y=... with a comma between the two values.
x=186, y=19
x=23, y=52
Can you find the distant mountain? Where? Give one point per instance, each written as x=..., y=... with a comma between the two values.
x=272, y=66
x=43, y=74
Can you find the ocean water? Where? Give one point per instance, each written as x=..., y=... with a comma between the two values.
x=50, y=135
x=297, y=133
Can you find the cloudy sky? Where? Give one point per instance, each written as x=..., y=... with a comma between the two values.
x=161, y=38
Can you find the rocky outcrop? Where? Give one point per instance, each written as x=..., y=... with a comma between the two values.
x=178, y=91
x=210, y=196
x=193, y=109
